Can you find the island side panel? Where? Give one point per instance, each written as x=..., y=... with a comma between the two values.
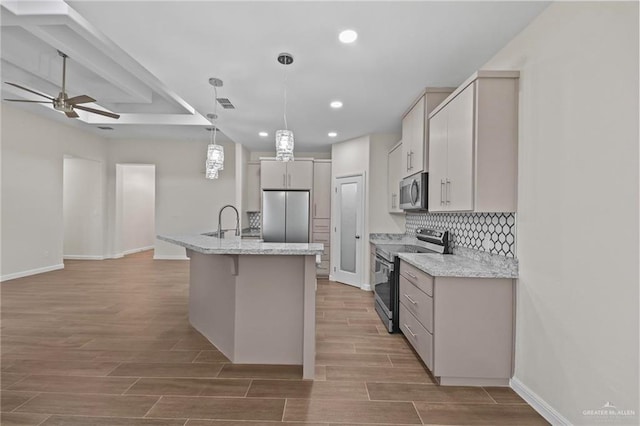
x=212, y=293
x=269, y=309
x=309, y=345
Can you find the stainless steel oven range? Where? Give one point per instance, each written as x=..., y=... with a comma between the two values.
x=387, y=271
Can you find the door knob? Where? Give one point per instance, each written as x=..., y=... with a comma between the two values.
x=357, y=237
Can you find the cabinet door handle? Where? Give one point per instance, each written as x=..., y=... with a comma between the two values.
x=412, y=276
x=289, y=180
x=448, y=191
x=410, y=332
x=315, y=209
x=410, y=299
x=441, y=191
x=408, y=161
x=284, y=180
x=411, y=160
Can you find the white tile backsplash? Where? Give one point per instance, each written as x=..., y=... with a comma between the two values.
x=491, y=232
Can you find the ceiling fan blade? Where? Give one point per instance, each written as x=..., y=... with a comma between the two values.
x=25, y=100
x=29, y=90
x=72, y=114
x=97, y=111
x=82, y=99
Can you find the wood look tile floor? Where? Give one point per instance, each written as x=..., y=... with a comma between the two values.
x=109, y=343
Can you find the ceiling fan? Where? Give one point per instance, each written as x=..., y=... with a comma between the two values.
x=63, y=102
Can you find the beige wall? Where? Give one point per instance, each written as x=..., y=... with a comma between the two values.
x=32, y=225
x=379, y=218
x=33, y=149
x=577, y=304
x=186, y=202
x=242, y=160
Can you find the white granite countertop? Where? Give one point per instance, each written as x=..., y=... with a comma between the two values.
x=464, y=263
x=212, y=245
x=453, y=265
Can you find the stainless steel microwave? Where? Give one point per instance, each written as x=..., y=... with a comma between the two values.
x=413, y=192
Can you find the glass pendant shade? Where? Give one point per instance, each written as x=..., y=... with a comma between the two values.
x=211, y=172
x=215, y=156
x=284, y=145
x=215, y=161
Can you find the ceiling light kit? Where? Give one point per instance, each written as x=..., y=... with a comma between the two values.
x=263, y=134
x=215, y=152
x=336, y=104
x=348, y=36
x=332, y=134
x=284, y=138
x=63, y=102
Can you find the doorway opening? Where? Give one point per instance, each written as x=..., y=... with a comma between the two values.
x=135, y=204
x=82, y=208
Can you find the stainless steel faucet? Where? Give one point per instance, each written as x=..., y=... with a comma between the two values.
x=222, y=231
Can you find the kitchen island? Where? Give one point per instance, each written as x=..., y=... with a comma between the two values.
x=254, y=301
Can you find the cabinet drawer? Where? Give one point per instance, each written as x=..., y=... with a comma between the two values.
x=417, y=302
x=321, y=225
x=322, y=237
x=326, y=255
x=416, y=277
x=417, y=335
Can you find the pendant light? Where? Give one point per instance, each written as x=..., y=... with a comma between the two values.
x=284, y=138
x=215, y=152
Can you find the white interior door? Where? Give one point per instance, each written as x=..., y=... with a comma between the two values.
x=349, y=231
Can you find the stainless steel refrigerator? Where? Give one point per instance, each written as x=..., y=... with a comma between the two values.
x=285, y=216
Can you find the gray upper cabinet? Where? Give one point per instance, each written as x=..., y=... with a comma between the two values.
x=394, y=175
x=473, y=146
x=286, y=175
x=415, y=131
x=322, y=189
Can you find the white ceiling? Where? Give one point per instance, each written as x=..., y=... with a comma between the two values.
x=151, y=61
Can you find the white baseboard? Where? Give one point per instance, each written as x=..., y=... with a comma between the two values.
x=169, y=257
x=22, y=274
x=82, y=257
x=137, y=250
x=365, y=287
x=331, y=277
x=540, y=405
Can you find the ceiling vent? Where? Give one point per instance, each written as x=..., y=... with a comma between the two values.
x=225, y=103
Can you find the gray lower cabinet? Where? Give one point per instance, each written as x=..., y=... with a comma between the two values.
x=462, y=328
x=321, y=234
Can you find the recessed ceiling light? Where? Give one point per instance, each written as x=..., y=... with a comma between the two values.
x=332, y=134
x=263, y=134
x=348, y=36
x=336, y=104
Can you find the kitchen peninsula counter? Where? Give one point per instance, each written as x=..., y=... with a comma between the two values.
x=254, y=301
x=211, y=245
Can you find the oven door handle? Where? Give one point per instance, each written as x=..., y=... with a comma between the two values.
x=383, y=262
